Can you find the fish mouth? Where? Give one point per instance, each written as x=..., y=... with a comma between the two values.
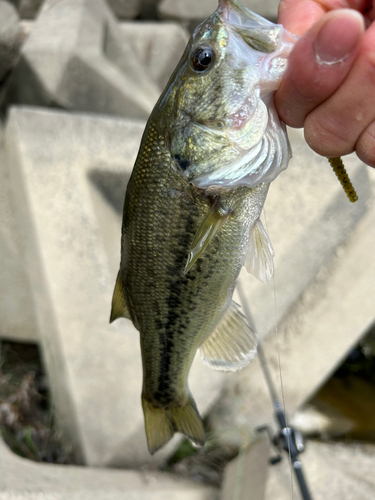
x=224, y=9
x=233, y=12
x=259, y=33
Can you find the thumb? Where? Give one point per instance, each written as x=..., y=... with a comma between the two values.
x=318, y=64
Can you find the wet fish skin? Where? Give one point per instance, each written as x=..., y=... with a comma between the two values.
x=163, y=214
x=175, y=312
x=194, y=131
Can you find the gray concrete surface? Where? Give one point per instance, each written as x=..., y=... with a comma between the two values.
x=246, y=476
x=334, y=471
x=157, y=46
x=18, y=321
x=307, y=216
x=323, y=421
x=328, y=319
x=71, y=251
x=29, y=9
x=74, y=58
x=125, y=9
x=200, y=9
x=102, y=155
x=26, y=27
x=10, y=37
x=60, y=207
x=93, y=162
x=22, y=479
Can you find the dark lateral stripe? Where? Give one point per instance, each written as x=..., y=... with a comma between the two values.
x=173, y=329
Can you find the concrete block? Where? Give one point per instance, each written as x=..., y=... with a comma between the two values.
x=200, y=9
x=343, y=406
x=157, y=46
x=29, y=9
x=26, y=27
x=333, y=312
x=16, y=3
x=18, y=321
x=125, y=9
x=10, y=37
x=65, y=169
x=334, y=471
x=307, y=216
x=322, y=422
x=74, y=58
x=149, y=9
x=21, y=479
x=246, y=476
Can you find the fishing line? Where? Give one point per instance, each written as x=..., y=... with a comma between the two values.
x=279, y=361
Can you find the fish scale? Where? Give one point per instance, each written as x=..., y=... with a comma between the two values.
x=165, y=315
x=192, y=210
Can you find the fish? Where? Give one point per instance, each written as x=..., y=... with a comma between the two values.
x=191, y=220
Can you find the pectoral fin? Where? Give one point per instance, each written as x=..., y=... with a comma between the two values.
x=213, y=221
x=119, y=307
x=232, y=345
x=259, y=258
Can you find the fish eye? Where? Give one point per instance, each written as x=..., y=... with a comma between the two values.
x=203, y=58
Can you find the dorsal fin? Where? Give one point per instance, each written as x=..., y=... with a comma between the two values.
x=232, y=345
x=211, y=224
x=119, y=308
x=259, y=258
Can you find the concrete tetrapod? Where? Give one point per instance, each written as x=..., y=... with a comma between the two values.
x=200, y=9
x=74, y=58
x=18, y=321
x=22, y=479
x=323, y=323
x=68, y=175
x=69, y=198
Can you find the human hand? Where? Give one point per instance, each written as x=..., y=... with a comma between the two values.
x=329, y=85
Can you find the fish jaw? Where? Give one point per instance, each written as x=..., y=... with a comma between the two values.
x=263, y=36
x=233, y=12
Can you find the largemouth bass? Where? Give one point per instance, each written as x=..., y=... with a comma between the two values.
x=211, y=147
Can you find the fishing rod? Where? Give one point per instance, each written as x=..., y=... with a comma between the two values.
x=287, y=438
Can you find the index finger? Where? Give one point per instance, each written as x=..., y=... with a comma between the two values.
x=297, y=16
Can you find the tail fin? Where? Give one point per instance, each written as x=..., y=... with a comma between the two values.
x=161, y=424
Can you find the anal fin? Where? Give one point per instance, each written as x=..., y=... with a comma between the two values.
x=232, y=345
x=259, y=258
x=119, y=308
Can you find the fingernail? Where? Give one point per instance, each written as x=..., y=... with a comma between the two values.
x=338, y=36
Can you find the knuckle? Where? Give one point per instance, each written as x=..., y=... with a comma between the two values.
x=368, y=63
x=326, y=135
x=365, y=147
